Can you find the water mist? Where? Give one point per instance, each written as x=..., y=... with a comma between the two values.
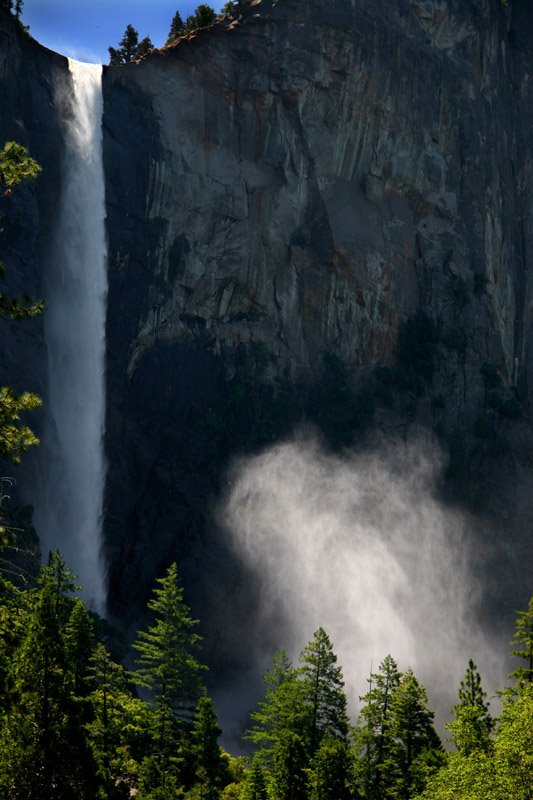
x=360, y=545
x=68, y=512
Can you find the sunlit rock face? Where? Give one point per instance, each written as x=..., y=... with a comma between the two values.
x=309, y=177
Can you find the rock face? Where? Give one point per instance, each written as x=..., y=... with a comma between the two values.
x=30, y=79
x=348, y=178
x=315, y=177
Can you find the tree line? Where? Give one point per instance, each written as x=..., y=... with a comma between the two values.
x=131, y=48
x=75, y=724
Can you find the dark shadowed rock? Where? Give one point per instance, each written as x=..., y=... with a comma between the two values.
x=342, y=177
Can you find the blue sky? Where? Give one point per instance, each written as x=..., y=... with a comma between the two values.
x=84, y=29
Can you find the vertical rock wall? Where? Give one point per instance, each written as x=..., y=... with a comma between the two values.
x=314, y=177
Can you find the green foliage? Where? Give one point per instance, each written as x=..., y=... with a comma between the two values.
x=416, y=742
x=397, y=745
x=523, y=644
x=331, y=776
x=254, y=784
x=169, y=669
x=16, y=166
x=121, y=725
x=504, y=771
x=44, y=751
x=288, y=774
x=281, y=710
x=301, y=726
x=374, y=734
x=177, y=28
x=472, y=724
x=130, y=48
x=15, y=437
x=203, y=16
x=323, y=692
x=167, y=665
x=71, y=728
x=229, y=8
x=210, y=763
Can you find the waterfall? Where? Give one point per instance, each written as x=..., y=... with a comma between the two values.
x=68, y=513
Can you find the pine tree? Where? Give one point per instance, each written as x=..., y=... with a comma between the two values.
x=324, y=694
x=210, y=765
x=288, y=773
x=168, y=667
x=472, y=724
x=332, y=772
x=63, y=583
x=523, y=644
x=121, y=725
x=202, y=18
x=144, y=47
x=417, y=747
x=229, y=8
x=282, y=709
x=44, y=751
x=375, y=740
x=254, y=784
x=505, y=771
x=129, y=47
x=177, y=28
x=80, y=644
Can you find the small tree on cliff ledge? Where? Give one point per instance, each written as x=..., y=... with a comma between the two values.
x=130, y=47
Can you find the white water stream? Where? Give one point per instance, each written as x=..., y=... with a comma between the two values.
x=68, y=514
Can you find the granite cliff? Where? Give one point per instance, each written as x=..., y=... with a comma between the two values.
x=320, y=210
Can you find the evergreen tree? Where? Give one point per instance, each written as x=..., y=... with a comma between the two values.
x=288, y=773
x=523, y=644
x=63, y=584
x=472, y=722
x=168, y=667
x=417, y=747
x=229, y=9
x=144, y=47
x=211, y=767
x=80, y=644
x=44, y=752
x=120, y=730
x=202, y=18
x=129, y=47
x=324, y=695
x=177, y=28
x=375, y=739
x=505, y=771
x=13, y=626
x=332, y=772
x=282, y=709
x=254, y=784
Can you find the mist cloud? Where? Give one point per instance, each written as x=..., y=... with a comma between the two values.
x=361, y=545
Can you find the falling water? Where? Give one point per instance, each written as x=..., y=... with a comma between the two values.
x=69, y=512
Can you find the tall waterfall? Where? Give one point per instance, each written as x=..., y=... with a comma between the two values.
x=68, y=513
